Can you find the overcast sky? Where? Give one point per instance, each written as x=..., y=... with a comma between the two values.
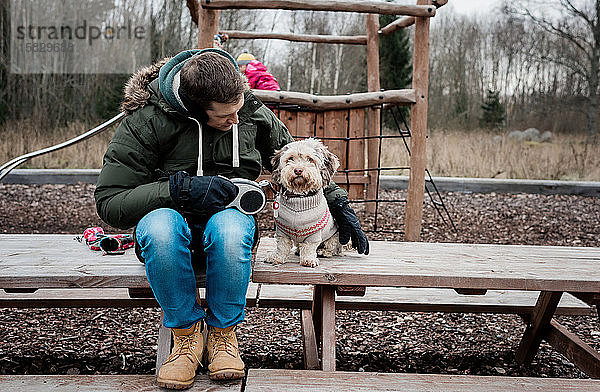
x=472, y=6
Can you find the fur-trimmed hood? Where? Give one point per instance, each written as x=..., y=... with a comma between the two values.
x=136, y=92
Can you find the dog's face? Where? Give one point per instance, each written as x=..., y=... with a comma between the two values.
x=304, y=166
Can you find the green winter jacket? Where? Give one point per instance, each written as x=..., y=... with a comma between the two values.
x=155, y=140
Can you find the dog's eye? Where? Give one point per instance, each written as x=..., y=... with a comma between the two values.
x=290, y=159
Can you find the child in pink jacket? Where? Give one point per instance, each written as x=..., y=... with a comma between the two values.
x=256, y=72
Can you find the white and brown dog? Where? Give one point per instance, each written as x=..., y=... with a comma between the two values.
x=301, y=170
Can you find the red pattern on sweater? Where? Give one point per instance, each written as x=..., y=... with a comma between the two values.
x=302, y=233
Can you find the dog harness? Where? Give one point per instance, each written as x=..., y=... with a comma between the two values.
x=304, y=218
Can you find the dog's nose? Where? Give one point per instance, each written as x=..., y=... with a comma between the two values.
x=297, y=171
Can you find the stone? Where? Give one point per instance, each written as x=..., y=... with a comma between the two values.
x=516, y=136
x=546, y=137
x=531, y=135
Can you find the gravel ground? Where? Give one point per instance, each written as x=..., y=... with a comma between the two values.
x=123, y=341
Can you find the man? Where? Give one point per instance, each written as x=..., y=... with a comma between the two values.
x=193, y=114
x=256, y=72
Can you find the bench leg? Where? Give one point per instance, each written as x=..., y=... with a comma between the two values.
x=309, y=340
x=164, y=343
x=538, y=325
x=317, y=311
x=328, y=329
x=577, y=351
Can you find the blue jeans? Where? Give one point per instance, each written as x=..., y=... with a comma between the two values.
x=226, y=244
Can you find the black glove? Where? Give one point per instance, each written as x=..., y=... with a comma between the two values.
x=348, y=224
x=205, y=195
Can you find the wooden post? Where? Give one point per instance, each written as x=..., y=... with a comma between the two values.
x=309, y=340
x=418, y=124
x=164, y=343
x=208, y=26
x=328, y=329
x=373, y=121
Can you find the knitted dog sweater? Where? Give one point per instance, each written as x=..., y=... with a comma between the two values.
x=304, y=218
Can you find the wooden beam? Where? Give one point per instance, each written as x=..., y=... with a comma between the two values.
x=406, y=21
x=326, y=102
x=575, y=349
x=373, y=114
x=326, y=39
x=374, y=7
x=418, y=124
x=398, y=24
x=208, y=26
x=309, y=340
x=538, y=325
x=194, y=8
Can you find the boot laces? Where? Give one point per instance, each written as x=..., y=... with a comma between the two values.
x=184, y=346
x=224, y=342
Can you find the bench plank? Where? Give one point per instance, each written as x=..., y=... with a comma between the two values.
x=103, y=383
x=91, y=298
x=58, y=261
x=421, y=299
x=473, y=266
x=266, y=380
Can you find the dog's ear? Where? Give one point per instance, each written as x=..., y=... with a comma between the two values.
x=330, y=165
x=276, y=172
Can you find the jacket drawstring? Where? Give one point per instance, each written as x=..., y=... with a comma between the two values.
x=199, y=172
x=236, y=146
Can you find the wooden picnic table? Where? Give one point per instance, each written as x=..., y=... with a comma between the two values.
x=467, y=268
x=48, y=264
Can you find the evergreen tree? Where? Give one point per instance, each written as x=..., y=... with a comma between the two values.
x=493, y=111
x=395, y=63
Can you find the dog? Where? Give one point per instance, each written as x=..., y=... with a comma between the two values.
x=301, y=170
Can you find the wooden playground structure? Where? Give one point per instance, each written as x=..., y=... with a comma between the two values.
x=340, y=120
x=423, y=277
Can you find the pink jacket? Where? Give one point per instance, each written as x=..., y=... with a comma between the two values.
x=259, y=78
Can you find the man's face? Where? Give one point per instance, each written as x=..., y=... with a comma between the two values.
x=223, y=115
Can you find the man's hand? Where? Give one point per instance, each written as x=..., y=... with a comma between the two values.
x=348, y=224
x=204, y=195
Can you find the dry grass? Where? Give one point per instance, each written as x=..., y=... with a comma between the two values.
x=481, y=154
x=449, y=153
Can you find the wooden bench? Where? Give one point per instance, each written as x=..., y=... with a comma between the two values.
x=267, y=380
x=63, y=273
x=466, y=268
x=263, y=380
x=105, y=383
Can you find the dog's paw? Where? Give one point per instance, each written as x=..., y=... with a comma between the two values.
x=312, y=262
x=275, y=258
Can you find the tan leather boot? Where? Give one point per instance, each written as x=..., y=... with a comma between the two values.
x=179, y=369
x=224, y=361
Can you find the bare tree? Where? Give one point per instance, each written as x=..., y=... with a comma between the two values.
x=576, y=25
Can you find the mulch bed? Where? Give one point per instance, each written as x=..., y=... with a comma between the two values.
x=123, y=341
